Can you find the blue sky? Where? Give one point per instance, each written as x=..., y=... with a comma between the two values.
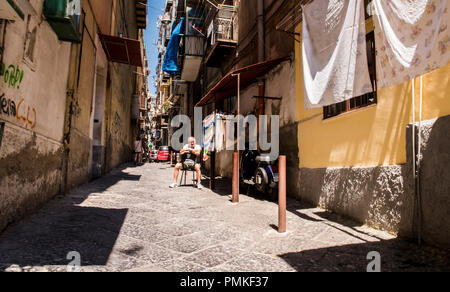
x=155, y=8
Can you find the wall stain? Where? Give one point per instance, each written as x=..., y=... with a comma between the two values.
x=24, y=163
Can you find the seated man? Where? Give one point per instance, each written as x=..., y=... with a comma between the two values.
x=192, y=152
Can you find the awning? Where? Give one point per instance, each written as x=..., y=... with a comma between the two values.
x=228, y=85
x=122, y=50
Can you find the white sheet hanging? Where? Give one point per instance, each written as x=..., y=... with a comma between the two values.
x=335, y=65
x=220, y=133
x=412, y=38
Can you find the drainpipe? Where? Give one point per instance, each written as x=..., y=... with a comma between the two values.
x=261, y=38
x=2, y=48
x=261, y=58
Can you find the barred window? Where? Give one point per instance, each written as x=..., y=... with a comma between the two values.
x=366, y=99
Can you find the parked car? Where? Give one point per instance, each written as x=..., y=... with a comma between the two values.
x=164, y=154
x=154, y=156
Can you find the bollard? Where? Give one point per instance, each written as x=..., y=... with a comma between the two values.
x=235, y=198
x=171, y=158
x=282, y=195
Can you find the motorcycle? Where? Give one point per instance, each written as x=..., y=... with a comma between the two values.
x=257, y=169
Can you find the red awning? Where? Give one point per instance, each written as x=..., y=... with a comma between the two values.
x=122, y=50
x=228, y=85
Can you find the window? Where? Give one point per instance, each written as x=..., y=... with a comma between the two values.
x=367, y=99
x=30, y=42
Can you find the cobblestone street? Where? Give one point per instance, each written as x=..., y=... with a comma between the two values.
x=130, y=220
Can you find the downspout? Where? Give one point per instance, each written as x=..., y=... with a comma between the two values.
x=417, y=157
x=419, y=163
x=261, y=38
x=2, y=48
x=261, y=58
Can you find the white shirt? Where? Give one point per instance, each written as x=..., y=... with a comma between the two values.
x=196, y=148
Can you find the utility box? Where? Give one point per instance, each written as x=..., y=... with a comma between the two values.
x=64, y=18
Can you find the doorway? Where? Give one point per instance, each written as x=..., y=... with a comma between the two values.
x=98, y=113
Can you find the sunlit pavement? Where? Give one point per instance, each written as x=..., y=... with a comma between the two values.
x=131, y=221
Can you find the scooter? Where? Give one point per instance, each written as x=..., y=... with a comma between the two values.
x=259, y=170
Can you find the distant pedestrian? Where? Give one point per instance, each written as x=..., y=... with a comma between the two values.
x=138, y=150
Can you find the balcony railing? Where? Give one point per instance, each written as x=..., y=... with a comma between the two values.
x=222, y=25
x=221, y=35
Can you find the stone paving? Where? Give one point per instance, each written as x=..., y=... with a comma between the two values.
x=130, y=220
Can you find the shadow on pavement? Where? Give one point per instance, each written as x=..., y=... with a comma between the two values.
x=224, y=188
x=395, y=256
x=92, y=232
x=46, y=238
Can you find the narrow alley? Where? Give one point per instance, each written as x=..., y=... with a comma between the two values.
x=130, y=220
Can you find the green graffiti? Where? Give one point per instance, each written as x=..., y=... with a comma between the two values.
x=12, y=75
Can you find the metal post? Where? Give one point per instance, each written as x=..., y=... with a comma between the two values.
x=282, y=195
x=212, y=180
x=236, y=155
x=235, y=198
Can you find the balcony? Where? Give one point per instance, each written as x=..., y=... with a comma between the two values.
x=222, y=35
x=179, y=87
x=193, y=45
x=193, y=57
x=141, y=14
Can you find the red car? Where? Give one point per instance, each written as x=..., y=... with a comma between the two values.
x=163, y=154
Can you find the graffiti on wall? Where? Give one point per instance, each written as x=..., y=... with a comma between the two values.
x=7, y=106
x=12, y=75
x=2, y=129
x=25, y=114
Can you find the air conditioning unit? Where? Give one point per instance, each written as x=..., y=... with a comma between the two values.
x=64, y=18
x=15, y=9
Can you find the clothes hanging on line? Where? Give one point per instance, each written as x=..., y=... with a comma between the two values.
x=209, y=130
x=335, y=66
x=412, y=38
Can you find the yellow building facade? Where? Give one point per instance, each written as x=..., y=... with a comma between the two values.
x=360, y=163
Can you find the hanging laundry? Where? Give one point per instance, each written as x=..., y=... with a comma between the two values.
x=412, y=38
x=208, y=125
x=220, y=133
x=335, y=65
x=170, y=64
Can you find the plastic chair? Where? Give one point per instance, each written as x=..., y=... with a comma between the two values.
x=184, y=172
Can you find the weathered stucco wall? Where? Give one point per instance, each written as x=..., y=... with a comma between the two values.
x=360, y=163
x=54, y=96
x=102, y=87
x=435, y=180
x=33, y=94
x=383, y=197
x=280, y=82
